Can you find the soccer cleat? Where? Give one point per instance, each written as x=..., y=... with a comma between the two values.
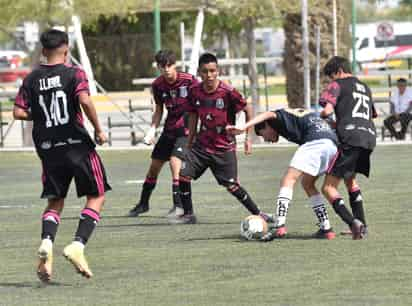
x=357, y=228
x=281, y=231
x=325, y=234
x=138, y=209
x=74, y=252
x=183, y=219
x=45, y=254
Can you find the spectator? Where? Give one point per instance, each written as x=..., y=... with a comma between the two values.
x=401, y=105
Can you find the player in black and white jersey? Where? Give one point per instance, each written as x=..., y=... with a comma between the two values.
x=52, y=97
x=351, y=102
x=317, y=149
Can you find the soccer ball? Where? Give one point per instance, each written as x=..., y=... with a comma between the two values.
x=253, y=227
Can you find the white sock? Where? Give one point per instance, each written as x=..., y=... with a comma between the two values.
x=282, y=205
x=319, y=208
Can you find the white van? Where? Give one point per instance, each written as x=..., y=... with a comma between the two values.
x=374, y=52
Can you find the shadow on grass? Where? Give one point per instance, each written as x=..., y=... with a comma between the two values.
x=234, y=238
x=34, y=285
x=161, y=224
x=118, y=217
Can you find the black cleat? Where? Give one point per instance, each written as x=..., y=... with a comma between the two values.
x=138, y=209
x=183, y=219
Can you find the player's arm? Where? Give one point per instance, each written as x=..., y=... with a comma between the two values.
x=239, y=129
x=156, y=118
x=91, y=114
x=21, y=114
x=192, y=126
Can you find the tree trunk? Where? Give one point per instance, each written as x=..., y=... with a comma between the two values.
x=293, y=57
x=252, y=67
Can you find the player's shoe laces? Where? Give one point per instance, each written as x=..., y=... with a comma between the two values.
x=183, y=219
x=74, y=252
x=138, y=209
x=358, y=229
x=45, y=254
x=325, y=234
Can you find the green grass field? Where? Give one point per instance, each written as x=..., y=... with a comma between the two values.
x=145, y=261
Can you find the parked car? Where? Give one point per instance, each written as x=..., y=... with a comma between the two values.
x=12, y=71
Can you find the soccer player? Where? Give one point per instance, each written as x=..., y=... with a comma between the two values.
x=351, y=102
x=317, y=148
x=52, y=97
x=215, y=104
x=170, y=90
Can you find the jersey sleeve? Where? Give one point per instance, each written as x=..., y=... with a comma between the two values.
x=330, y=94
x=191, y=107
x=156, y=94
x=236, y=99
x=23, y=97
x=81, y=82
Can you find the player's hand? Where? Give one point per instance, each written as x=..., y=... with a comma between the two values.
x=149, y=137
x=248, y=147
x=100, y=137
x=235, y=130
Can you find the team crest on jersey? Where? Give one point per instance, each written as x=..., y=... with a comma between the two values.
x=183, y=91
x=197, y=103
x=220, y=104
x=173, y=93
x=164, y=95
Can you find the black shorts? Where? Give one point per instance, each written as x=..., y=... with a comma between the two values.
x=87, y=170
x=223, y=166
x=168, y=146
x=351, y=160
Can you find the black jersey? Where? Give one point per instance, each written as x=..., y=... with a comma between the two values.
x=300, y=126
x=354, y=110
x=51, y=92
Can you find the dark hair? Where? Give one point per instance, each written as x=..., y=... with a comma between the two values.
x=207, y=58
x=164, y=57
x=272, y=122
x=336, y=63
x=402, y=81
x=53, y=39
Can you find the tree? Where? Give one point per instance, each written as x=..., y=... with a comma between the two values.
x=320, y=15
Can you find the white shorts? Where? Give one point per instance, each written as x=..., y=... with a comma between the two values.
x=314, y=157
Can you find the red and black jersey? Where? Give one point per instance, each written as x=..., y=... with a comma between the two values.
x=175, y=98
x=354, y=110
x=216, y=110
x=50, y=93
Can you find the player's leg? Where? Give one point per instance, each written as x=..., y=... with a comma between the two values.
x=224, y=168
x=90, y=178
x=175, y=165
x=194, y=165
x=284, y=199
x=185, y=188
x=149, y=184
x=318, y=206
x=346, y=165
x=56, y=181
x=50, y=223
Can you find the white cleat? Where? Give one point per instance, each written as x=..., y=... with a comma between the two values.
x=45, y=254
x=74, y=252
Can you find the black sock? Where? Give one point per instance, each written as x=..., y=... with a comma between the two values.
x=177, y=202
x=356, y=204
x=342, y=211
x=148, y=186
x=246, y=200
x=88, y=221
x=186, y=196
x=50, y=223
